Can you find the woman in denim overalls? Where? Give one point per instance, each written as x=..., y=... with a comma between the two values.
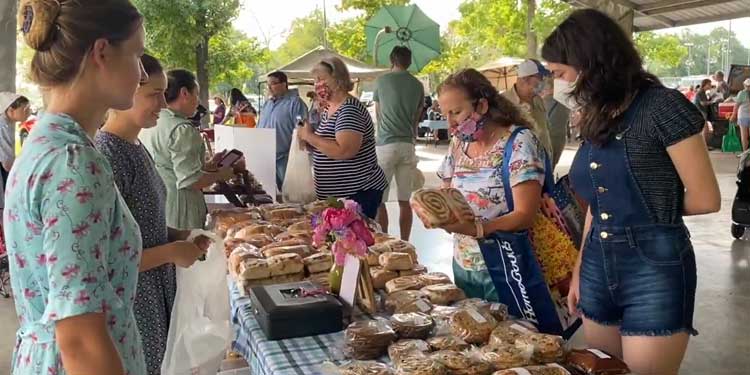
x=642, y=166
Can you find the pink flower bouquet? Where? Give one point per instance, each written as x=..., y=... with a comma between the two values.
x=342, y=226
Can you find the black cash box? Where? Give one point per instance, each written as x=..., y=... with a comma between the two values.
x=286, y=311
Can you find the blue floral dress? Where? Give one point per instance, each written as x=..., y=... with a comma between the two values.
x=74, y=247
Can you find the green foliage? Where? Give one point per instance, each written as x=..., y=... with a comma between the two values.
x=306, y=34
x=348, y=38
x=236, y=61
x=661, y=53
x=369, y=7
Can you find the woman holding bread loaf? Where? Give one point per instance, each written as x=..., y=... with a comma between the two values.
x=145, y=195
x=482, y=121
x=74, y=246
x=344, y=158
x=643, y=165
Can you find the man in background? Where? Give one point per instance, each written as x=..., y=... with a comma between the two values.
x=280, y=112
x=722, y=87
x=526, y=92
x=559, y=119
x=399, y=99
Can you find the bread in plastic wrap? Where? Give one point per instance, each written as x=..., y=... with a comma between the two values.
x=443, y=294
x=473, y=326
x=507, y=332
x=459, y=363
x=406, y=347
x=412, y=325
x=368, y=339
x=365, y=368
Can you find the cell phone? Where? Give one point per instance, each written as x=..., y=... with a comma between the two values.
x=230, y=158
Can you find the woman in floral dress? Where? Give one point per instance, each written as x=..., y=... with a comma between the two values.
x=482, y=121
x=74, y=247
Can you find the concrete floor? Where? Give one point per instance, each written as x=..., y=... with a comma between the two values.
x=723, y=300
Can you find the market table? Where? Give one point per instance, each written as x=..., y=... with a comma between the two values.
x=297, y=356
x=434, y=126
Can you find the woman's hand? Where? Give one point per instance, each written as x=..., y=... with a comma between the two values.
x=306, y=132
x=213, y=163
x=574, y=292
x=185, y=253
x=467, y=229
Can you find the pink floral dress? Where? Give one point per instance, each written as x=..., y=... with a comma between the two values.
x=73, y=245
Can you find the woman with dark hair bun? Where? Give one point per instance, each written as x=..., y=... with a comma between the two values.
x=482, y=122
x=643, y=165
x=241, y=110
x=145, y=194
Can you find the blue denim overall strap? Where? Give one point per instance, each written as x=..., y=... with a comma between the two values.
x=634, y=270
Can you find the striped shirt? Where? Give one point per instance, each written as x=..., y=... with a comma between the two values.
x=345, y=178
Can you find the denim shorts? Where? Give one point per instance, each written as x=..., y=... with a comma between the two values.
x=744, y=122
x=642, y=279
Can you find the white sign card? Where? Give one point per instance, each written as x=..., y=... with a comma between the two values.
x=349, y=279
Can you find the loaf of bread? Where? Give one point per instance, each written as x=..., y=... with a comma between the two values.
x=396, y=261
x=420, y=365
x=412, y=325
x=267, y=229
x=223, y=221
x=401, y=349
x=381, y=276
x=365, y=368
x=254, y=269
x=435, y=278
x=443, y=294
x=404, y=283
x=285, y=264
x=439, y=207
x=301, y=250
x=505, y=356
x=257, y=240
x=289, y=242
x=400, y=246
x=397, y=299
x=473, y=326
x=301, y=227
x=448, y=342
x=319, y=262
x=306, y=237
x=509, y=331
x=443, y=314
x=382, y=237
x=461, y=364
x=418, y=269
x=241, y=253
x=232, y=231
x=230, y=245
x=547, y=348
x=368, y=339
x=497, y=310
x=551, y=369
x=373, y=258
x=596, y=362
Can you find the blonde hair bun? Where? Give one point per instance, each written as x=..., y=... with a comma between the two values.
x=36, y=19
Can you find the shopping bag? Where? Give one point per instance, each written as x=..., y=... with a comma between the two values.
x=200, y=329
x=570, y=209
x=298, y=181
x=731, y=142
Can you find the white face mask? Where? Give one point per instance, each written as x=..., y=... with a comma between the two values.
x=562, y=92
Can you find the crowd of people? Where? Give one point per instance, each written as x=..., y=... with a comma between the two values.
x=97, y=217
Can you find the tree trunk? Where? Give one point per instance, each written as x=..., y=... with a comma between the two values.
x=201, y=60
x=8, y=31
x=531, y=42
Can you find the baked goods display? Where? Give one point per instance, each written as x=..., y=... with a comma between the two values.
x=596, y=362
x=394, y=261
x=368, y=339
x=505, y=356
x=443, y=294
x=365, y=368
x=254, y=269
x=443, y=314
x=401, y=246
x=439, y=207
x=418, y=269
x=421, y=305
x=405, y=348
x=473, y=326
x=404, y=283
x=257, y=240
x=285, y=264
x=318, y=262
x=497, y=310
x=412, y=325
x=547, y=348
x=509, y=331
x=397, y=300
x=381, y=276
x=420, y=365
x=461, y=364
x=301, y=250
x=239, y=254
x=551, y=369
x=448, y=342
x=435, y=278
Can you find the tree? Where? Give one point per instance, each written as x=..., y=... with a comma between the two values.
x=236, y=61
x=306, y=33
x=348, y=38
x=662, y=54
x=369, y=7
x=180, y=32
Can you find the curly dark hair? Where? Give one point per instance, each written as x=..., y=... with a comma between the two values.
x=476, y=86
x=611, y=70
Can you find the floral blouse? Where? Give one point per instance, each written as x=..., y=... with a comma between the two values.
x=74, y=247
x=480, y=181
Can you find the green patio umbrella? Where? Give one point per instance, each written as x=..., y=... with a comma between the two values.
x=403, y=26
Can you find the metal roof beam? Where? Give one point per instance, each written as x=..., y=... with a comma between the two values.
x=666, y=22
x=695, y=21
x=677, y=5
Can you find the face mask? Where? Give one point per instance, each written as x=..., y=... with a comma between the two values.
x=323, y=91
x=562, y=92
x=470, y=128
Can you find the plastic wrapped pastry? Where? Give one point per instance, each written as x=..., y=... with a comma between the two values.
x=443, y=294
x=404, y=348
x=461, y=364
x=473, y=326
x=596, y=362
x=368, y=339
x=412, y=325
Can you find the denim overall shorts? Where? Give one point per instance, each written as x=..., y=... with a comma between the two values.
x=636, y=274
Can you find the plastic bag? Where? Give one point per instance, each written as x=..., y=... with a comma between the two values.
x=298, y=181
x=200, y=330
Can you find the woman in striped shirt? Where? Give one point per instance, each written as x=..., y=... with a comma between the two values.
x=344, y=159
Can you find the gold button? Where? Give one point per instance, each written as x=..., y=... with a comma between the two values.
x=604, y=235
x=604, y=216
x=594, y=166
x=602, y=189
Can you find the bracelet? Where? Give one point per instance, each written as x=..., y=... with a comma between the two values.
x=479, y=228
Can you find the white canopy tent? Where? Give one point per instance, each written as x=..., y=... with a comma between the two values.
x=502, y=73
x=299, y=68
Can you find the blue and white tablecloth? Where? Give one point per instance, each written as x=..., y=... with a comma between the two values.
x=297, y=356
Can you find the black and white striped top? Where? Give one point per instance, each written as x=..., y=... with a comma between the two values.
x=345, y=178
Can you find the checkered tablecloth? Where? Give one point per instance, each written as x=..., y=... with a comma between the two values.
x=297, y=356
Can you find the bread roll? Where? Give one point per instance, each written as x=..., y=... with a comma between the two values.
x=301, y=250
x=254, y=269
x=396, y=261
x=257, y=240
x=418, y=269
x=435, y=278
x=301, y=226
x=401, y=246
x=381, y=276
x=232, y=231
x=319, y=262
x=397, y=299
x=404, y=283
x=285, y=264
x=473, y=326
x=405, y=348
x=285, y=236
x=439, y=207
x=443, y=294
x=230, y=245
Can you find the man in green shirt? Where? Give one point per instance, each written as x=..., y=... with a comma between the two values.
x=399, y=98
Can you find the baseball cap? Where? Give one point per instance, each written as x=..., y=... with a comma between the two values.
x=531, y=67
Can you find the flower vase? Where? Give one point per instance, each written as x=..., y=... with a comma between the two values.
x=334, y=278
